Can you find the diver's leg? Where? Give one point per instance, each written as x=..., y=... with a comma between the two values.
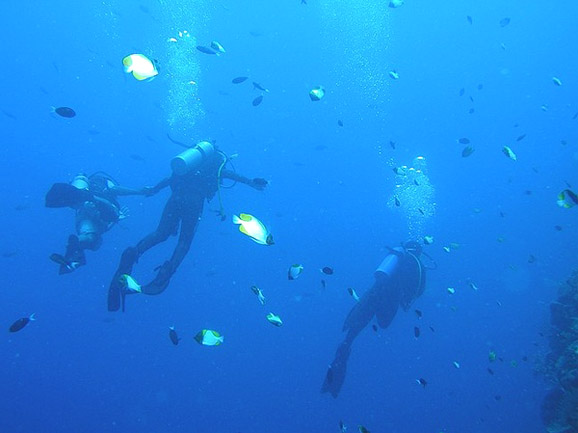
x=191, y=213
x=87, y=237
x=167, y=225
x=357, y=319
x=388, y=298
x=362, y=312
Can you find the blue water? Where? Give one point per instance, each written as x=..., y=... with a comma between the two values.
x=329, y=203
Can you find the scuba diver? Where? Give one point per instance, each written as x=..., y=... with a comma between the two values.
x=196, y=176
x=399, y=280
x=94, y=198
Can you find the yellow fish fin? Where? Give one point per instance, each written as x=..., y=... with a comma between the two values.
x=139, y=76
x=246, y=217
x=242, y=229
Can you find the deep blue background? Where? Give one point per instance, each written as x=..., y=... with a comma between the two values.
x=80, y=368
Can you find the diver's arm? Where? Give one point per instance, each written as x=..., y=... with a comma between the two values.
x=257, y=182
x=122, y=190
x=152, y=190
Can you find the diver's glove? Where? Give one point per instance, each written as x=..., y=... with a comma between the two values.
x=149, y=191
x=123, y=213
x=259, y=183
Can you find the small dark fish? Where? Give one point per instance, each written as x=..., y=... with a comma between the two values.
x=21, y=207
x=418, y=313
x=416, y=332
x=21, y=323
x=239, y=80
x=498, y=397
x=462, y=91
x=416, y=183
x=535, y=169
x=327, y=270
x=173, y=335
x=421, y=211
x=136, y=157
x=362, y=429
x=558, y=228
x=323, y=283
x=480, y=86
x=469, y=18
x=397, y=202
x=257, y=100
x=575, y=116
x=525, y=358
x=472, y=98
x=374, y=327
x=65, y=112
x=471, y=111
x=563, y=142
x=9, y=115
x=464, y=140
x=205, y=50
x=467, y=151
x=422, y=382
x=259, y=86
x=528, y=192
x=504, y=22
x=431, y=328
x=531, y=258
x=502, y=214
x=392, y=144
x=490, y=371
x=340, y=122
x=568, y=184
x=521, y=137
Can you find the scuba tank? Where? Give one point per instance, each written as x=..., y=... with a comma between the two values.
x=192, y=158
x=80, y=181
x=389, y=264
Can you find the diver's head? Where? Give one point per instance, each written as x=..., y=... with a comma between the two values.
x=413, y=247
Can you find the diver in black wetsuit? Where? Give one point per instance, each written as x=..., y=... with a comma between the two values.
x=196, y=177
x=399, y=280
x=94, y=198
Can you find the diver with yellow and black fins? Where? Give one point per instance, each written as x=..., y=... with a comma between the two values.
x=94, y=199
x=399, y=280
x=196, y=177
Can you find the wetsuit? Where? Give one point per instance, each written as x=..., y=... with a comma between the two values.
x=183, y=208
x=399, y=280
x=97, y=210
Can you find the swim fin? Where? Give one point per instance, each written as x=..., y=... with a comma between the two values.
x=66, y=195
x=116, y=292
x=162, y=280
x=73, y=258
x=335, y=375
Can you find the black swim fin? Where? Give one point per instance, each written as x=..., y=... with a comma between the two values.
x=335, y=375
x=66, y=195
x=116, y=292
